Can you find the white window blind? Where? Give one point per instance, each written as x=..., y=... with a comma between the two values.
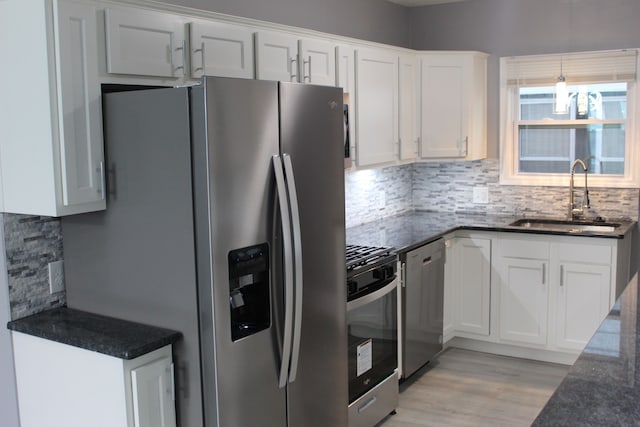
x=577, y=68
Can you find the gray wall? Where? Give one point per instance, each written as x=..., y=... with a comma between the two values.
x=374, y=20
x=523, y=27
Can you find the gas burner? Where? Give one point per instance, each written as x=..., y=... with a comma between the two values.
x=358, y=256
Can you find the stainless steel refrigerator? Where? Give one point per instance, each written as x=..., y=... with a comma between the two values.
x=225, y=221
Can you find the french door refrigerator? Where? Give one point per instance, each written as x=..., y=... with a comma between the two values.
x=225, y=221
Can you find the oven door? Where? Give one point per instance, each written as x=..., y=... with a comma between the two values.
x=372, y=323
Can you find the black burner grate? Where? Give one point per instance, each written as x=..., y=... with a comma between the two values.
x=357, y=255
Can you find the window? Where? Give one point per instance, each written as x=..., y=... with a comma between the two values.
x=539, y=145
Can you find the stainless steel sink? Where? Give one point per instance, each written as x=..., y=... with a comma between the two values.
x=566, y=226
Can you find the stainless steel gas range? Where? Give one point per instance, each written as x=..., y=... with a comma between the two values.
x=372, y=321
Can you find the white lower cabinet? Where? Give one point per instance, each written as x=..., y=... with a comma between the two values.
x=472, y=284
x=74, y=387
x=523, y=300
x=528, y=295
x=582, y=292
x=554, y=291
x=450, y=265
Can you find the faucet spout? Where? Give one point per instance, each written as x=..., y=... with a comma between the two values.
x=574, y=211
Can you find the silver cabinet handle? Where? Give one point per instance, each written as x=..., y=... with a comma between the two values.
x=201, y=50
x=297, y=256
x=183, y=48
x=308, y=76
x=466, y=145
x=294, y=74
x=544, y=273
x=561, y=275
x=288, y=270
x=100, y=171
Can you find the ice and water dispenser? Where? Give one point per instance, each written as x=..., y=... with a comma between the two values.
x=249, y=290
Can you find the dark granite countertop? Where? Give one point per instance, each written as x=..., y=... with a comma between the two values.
x=410, y=230
x=106, y=335
x=603, y=387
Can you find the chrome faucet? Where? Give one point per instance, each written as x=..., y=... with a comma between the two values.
x=578, y=212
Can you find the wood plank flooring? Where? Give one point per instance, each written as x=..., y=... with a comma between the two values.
x=467, y=388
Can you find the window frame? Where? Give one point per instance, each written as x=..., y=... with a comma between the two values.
x=509, y=139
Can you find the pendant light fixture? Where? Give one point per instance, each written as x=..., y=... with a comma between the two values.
x=561, y=96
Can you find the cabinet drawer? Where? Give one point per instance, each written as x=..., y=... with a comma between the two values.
x=524, y=248
x=586, y=253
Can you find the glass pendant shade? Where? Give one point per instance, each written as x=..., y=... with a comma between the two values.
x=561, y=100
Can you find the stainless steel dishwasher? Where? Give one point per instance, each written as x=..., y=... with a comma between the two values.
x=421, y=308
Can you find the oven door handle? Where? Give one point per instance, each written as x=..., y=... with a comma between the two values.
x=366, y=299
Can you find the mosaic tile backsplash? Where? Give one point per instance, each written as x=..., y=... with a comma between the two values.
x=31, y=243
x=448, y=187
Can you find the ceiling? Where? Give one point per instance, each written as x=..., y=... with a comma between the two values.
x=414, y=3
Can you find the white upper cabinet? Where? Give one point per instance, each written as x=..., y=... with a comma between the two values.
x=409, y=107
x=145, y=43
x=276, y=57
x=220, y=49
x=345, y=68
x=453, y=117
x=317, y=62
x=51, y=155
x=345, y=78
x=285, y=57
x=377, y=106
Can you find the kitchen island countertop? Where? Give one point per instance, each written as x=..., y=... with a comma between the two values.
x=603, y=387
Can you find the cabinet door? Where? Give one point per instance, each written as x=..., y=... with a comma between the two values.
x=472, y=285
x=345, y=69
x=582, y=302
x=444, y=93
x=408, y=107
x=377, y=107
x=219, y=49
x=153, y=394
x=345, y=78
x=146, y=43
x=79, y=106
x=276, y=57
x=450, y=311
x=317, y=62
x=523, y=300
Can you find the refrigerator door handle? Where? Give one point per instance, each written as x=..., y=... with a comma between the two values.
x=297, y=250
x=288, y=270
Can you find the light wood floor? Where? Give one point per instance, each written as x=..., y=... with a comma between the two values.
x=466, y=388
